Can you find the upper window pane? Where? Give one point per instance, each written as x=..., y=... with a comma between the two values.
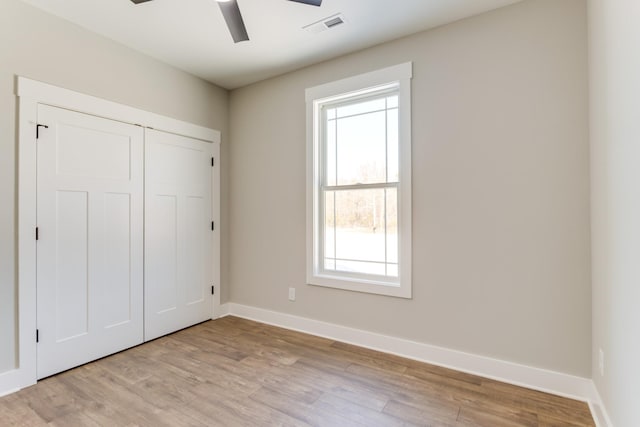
x=362, y=142
x=330, y=153
x=361, y=107
x=393, y=147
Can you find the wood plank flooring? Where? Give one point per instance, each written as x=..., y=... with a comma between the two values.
x=234, y=372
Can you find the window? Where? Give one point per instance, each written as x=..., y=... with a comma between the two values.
x=359, y=183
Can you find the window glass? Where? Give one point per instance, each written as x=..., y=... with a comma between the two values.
x=361, y=231
x=357, y=146
x=356, y=108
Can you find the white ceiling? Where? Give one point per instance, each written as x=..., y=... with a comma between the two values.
x=192, y=34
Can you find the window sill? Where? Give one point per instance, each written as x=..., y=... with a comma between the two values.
x=360, y=285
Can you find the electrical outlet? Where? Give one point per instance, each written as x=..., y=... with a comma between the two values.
x=292, y=294
x=601, y=362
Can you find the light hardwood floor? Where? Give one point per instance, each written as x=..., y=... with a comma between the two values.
x=236, y=372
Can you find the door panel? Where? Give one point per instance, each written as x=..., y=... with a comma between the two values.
x=161, y=258
x=178, y=237
x=71, y=267
x=116, y=294
x=194, y=249
x=93, y=153
x=90, y=247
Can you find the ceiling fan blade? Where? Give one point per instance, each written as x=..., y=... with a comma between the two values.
x=139, y=1
x=232, y=15
x=310, y=2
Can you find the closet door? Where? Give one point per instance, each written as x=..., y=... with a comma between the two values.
x=178, y=232
x=90, y=238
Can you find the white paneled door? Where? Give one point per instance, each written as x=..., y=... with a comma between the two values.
x=90, y=238
x=178, y=232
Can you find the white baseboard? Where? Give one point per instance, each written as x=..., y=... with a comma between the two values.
x=223, y=311
x=8, y=392
x=599, y=412
x=534, y=378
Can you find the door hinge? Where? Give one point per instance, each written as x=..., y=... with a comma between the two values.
x=213, y=290
x=37, y=335
x=213, y=226
x=38, y=130
x=37, y=233
x=213, y=161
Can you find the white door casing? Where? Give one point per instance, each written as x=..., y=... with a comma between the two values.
x=178, y=232
x=90, y=247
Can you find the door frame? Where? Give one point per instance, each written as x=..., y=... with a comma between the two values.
x=31, y=93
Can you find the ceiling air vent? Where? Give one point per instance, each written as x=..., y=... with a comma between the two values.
x=326, y=23
x=333, y=22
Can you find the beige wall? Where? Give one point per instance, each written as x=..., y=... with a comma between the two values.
x=39, y=46
x=500, y=190
x=615, y=146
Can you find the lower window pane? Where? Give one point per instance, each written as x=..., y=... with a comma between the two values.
x=360, y=225
x=329, y=226
x=392, y=270
x=329, y=263
x=362, y=267
x=360, y=232
x=392, y=228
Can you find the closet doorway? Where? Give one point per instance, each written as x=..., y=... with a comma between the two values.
x=124, y=206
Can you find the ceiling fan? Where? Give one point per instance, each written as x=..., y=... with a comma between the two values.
x=233, y=17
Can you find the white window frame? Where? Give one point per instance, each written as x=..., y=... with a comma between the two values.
x=400, y=76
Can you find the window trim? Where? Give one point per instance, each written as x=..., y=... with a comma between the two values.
x=372, y=82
